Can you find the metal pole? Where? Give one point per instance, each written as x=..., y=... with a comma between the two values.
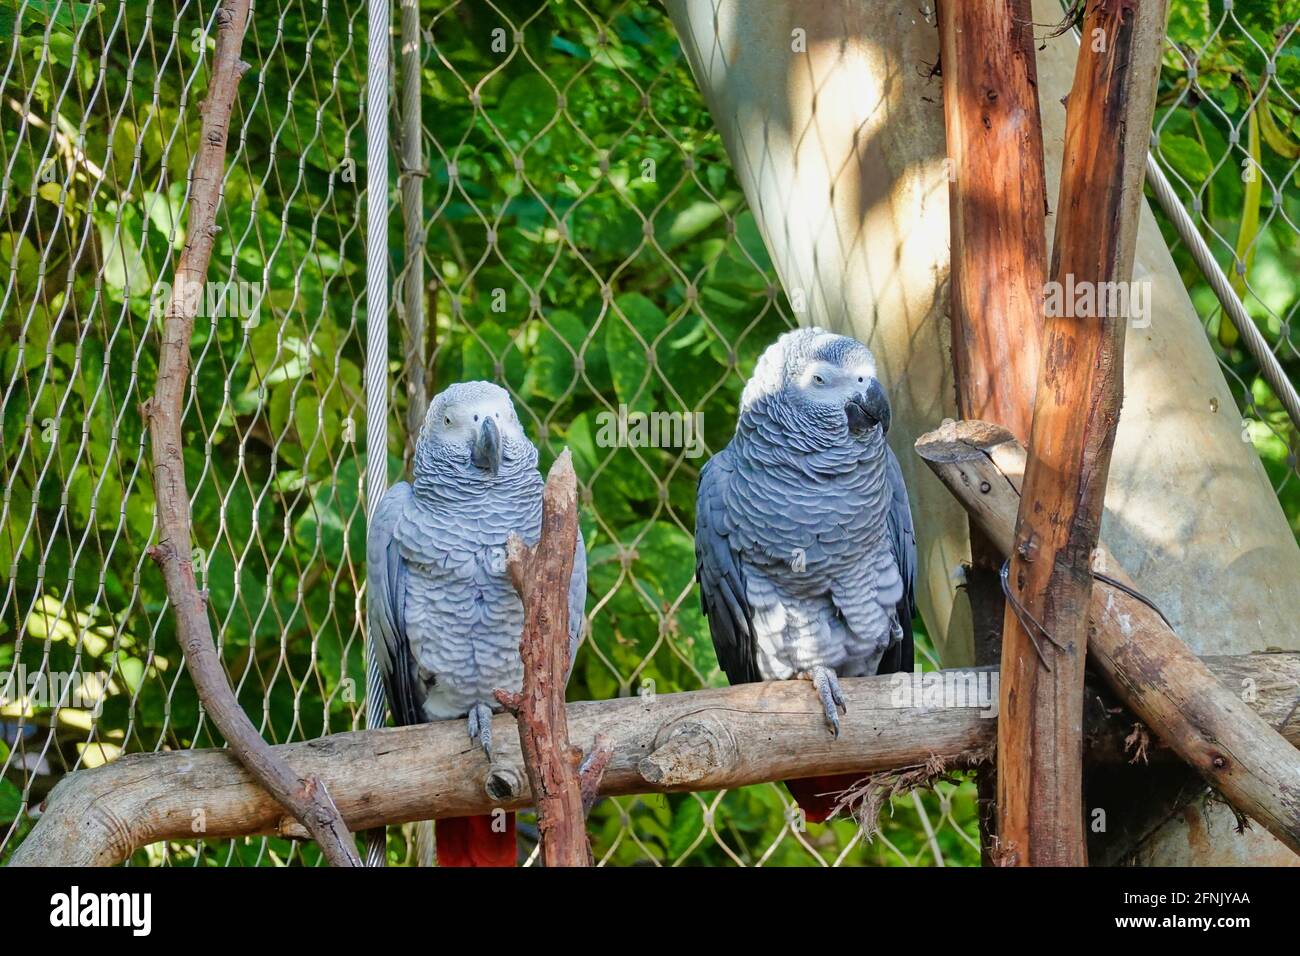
x=412, y=182
x=412, y=302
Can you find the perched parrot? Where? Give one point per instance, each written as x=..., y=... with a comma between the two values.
x=804, y=545
x=444, y=618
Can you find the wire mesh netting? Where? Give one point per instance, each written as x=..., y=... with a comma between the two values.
x=564, y=221
x=1226, y=135
x=100, y=126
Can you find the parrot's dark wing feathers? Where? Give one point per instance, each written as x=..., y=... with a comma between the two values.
x=902, y=539
x=386, y=606
x=722, y=578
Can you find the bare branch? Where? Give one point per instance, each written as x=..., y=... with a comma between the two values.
x=592, y=770
x=541, y=576
x=305, y=797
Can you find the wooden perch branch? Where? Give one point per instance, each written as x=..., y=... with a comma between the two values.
x=703, y=740
x=1076, y=411
x=541, y=576
x=1146, y=664
x=306, y=798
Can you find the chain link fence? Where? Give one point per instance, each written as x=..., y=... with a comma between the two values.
x=1227, y=135
x=564, y=221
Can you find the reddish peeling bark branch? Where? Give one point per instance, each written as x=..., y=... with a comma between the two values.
x=997, y=198
x=592, y=771
x=1195, y=707
x=997, y=202
x=305, y=798
x=541, y=575
x=1077, y=406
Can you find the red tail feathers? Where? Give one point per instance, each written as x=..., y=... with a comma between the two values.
x=817, y=796
x=471, y=841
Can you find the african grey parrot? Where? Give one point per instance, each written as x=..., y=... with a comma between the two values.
x=803, y=537
x=443, y=615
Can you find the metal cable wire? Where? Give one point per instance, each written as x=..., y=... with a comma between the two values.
x=1254, y=340
x=377, y=96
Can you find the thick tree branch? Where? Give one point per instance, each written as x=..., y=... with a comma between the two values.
x=305, y=797
x=704, y=740
x=1209, y=725
x=1076, y=412
x=997, y=199
x=541, y=576
x=997, y=203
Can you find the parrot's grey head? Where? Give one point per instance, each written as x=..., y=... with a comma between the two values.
x=474, y=424
x=822, y=381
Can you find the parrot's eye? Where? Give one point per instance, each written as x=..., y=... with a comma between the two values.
x=447, y=421
x=819, y=380
x=475, y=418
x=860, y=379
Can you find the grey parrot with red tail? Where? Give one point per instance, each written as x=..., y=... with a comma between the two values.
x=444, y=618
x=804, y=545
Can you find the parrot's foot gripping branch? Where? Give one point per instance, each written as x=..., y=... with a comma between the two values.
x=480, y=726
x=827, y=686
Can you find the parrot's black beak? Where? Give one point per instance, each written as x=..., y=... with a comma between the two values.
x=867, y=409
x=487, y=448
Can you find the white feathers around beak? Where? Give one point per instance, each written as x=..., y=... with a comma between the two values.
x=457, y=412
x=794, y=356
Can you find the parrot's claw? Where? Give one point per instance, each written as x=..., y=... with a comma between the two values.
x=480, y=727
x=827, y=686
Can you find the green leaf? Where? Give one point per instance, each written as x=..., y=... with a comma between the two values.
x=11, y=800
x=491, y=353
x=1186, y=156
x=695, y=218
x=1248, y=230
x=131, y=671
x=164, y=214
x=64, y=14
x=553, y=369
x=631, y=328
x=123, y=263
x=688, y=821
